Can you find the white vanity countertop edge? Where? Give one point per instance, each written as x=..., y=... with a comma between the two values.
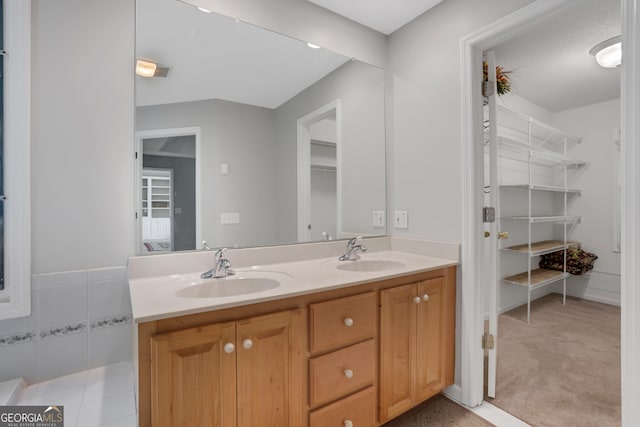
x=153, y=298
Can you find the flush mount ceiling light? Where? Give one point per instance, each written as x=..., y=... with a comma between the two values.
x=313, y=46
x=146, y=68
x=608, y=53
x=202, y=9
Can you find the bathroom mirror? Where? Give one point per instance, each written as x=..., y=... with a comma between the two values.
x=246, y=137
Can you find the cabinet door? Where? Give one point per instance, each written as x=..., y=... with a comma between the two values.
x=430, y=343
x=193, y=378
x=269, y=372
x=398, y=313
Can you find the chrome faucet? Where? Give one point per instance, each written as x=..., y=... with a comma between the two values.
x=221, y=267
x=352, y=248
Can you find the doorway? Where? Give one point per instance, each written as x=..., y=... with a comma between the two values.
x=167, y=188
x=319, y=174
x=473, y=296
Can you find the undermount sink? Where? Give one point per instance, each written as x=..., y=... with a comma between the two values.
x=243, y=283
x=369, y=265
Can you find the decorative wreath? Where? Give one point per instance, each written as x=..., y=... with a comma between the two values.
x=502, y=78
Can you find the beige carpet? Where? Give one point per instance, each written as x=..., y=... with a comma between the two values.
x=439, y=411
x=562, y=369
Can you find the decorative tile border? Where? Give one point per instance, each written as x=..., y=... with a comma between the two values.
x=20, y=338
x=109, y=322
x=74, y=328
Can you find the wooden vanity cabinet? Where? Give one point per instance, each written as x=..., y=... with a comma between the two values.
x=357, y=356
x=243, y=373
x=417, y=330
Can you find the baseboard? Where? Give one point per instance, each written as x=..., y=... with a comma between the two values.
x=454, y=392
x=10, y=391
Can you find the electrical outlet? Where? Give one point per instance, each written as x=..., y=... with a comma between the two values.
x=229, y=218
x=378, y=218
x=400, y=219
x=224, y=169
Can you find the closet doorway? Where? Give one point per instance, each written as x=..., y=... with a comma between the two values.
x=551, y=120
x=319, y=174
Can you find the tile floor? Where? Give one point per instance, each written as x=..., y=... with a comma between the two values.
x=100, y=397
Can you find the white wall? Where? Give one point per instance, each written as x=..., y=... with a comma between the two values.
x=82, y=134
x=595, y=124
x=242, y=136
x=424, y=115
x=360, y=89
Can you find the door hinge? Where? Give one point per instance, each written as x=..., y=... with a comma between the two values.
x=488, y=214
x=487, y=88
x=487, y=342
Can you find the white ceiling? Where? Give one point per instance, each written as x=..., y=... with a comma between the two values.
x=213, y=57
x=384, y=16
x=551, y=65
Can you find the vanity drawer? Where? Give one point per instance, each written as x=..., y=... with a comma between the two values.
x=359, y=408
x=337, y=374
x=342, y=321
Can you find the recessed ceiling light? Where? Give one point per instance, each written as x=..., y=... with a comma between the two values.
x=202, y=9
x=608, y=53
x=313, y=46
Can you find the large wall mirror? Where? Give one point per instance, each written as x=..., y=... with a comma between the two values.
x=246, y=137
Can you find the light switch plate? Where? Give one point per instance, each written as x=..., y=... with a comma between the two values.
x=378, y=218
x=224, y=169
x=229, y=218
x=400, y=219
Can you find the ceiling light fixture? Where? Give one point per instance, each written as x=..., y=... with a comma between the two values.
x=202, y=9
x=608, y=53
x=313, y=46
x=145, y=68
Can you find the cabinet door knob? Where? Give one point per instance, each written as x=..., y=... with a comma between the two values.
x=229, y=347
x=348, y=373
x=425, y=297
x=348, y=321
x=247, y=344
x=348, y=423
x=417, y=300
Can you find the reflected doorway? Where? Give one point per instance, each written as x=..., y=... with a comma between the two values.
x=167, y=215
x=319, y=143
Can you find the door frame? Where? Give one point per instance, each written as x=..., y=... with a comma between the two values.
x=473, y=298
x=159, y=133
x=304, y=167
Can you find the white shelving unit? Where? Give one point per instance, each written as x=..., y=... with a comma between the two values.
x=534, y=144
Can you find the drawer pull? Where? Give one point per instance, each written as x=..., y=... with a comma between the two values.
x=348, y=321
x=425, y=297
x=247, y=344
x=348, y=373
x=348, y=423
x=229, y=347
x=417, y=300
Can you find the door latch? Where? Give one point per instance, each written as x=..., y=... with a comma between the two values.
x=488, y=214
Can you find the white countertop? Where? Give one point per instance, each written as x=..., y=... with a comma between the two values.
x=155, y=297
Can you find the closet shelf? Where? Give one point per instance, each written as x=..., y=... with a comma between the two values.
x=539, y=277
x=536, y=219
x=520, y=151
x=540, y=248
x=532, y=128
x=552, y=188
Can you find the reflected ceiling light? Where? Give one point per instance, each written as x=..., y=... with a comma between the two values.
x=147, y=68
x=313, y=46
x=202, y=9
x=608, y=53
